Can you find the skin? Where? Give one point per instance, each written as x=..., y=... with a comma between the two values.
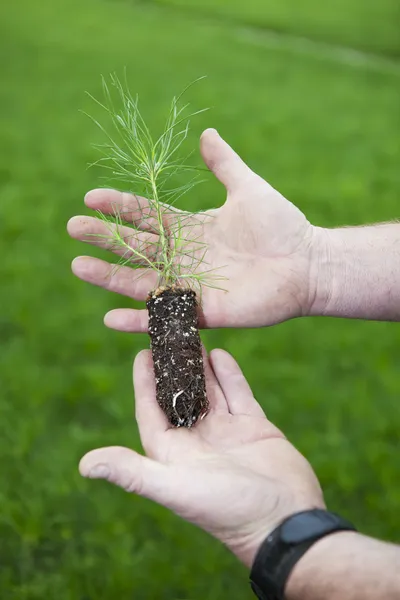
x=244, y=479
x=245, y=476
x=257, y=235
x=256, y=240
x=346, y=566
x=359, y=273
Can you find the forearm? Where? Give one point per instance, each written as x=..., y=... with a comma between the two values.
x=358, y=273
x=346, y=566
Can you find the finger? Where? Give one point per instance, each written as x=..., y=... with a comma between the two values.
x=215, y=394
x=226, y=165
x=151, y=420
x=128, y=470
x=237, y=391
x=122, y=280
x=128, y=320
x=132, y=320
x=124, y=241
x=131, y=207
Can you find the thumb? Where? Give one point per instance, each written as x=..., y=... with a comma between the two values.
x=129, y=470
x=219, y=157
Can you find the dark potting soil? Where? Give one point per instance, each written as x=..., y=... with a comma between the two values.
x=177, y=355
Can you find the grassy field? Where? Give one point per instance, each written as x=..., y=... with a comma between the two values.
x=363, y=24
x=326, y=134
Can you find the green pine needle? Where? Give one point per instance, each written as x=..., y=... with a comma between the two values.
x=133, y=156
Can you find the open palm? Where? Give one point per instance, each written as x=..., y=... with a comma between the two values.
x=258, y=241
x=234, y=474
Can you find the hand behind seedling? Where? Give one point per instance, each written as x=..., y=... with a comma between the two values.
x=234, y=475
x=258, y=242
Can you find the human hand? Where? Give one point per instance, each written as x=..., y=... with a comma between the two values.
x=234, y=474
x=260, y=242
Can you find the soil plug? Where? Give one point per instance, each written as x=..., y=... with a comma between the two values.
x=177, y=355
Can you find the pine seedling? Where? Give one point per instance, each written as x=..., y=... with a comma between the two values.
x=171, y=246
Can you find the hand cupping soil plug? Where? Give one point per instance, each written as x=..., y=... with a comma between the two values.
x=170, y=247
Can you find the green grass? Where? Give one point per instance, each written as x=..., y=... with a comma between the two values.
x=364, y=24
x=326, y=135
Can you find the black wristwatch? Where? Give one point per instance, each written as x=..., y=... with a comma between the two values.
x=282, y=549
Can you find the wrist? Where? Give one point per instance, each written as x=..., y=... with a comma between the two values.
x=314, y=561
x=354, y=273
x=327, y=272
x=246, y=550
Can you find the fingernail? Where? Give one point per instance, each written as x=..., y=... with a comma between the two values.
x=99, y=472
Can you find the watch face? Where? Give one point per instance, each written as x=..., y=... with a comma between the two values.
x=308, y=526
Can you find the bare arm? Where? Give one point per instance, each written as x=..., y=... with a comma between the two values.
x=359, y=273
x=347, y=566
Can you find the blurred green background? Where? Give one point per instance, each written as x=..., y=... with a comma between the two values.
x=309, y=94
